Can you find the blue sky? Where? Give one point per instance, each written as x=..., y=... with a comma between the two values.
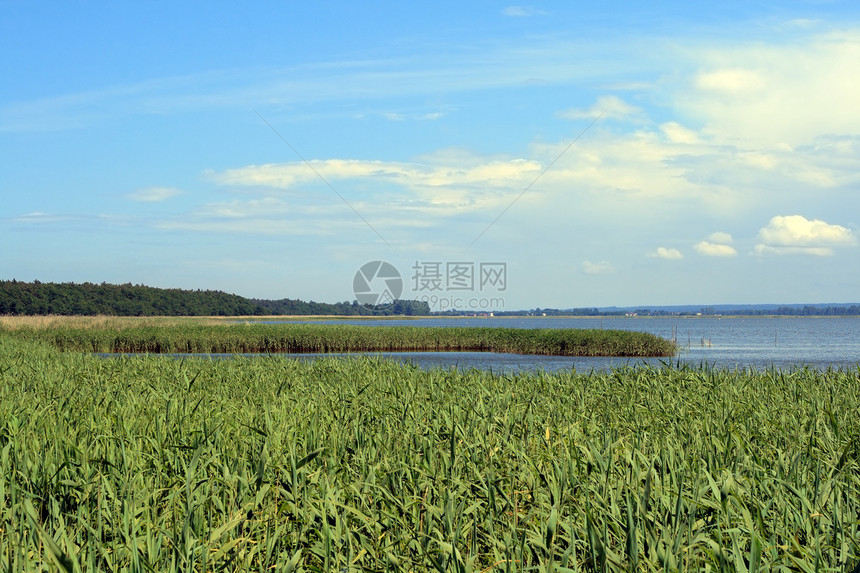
x=607, y=153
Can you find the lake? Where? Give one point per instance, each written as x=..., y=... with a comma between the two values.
x=723, y=342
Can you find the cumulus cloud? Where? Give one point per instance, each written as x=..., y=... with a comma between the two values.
x=153, y=194
x=797, y=230
x=664, y=253
x=795, y=234
x=716, y=245
x=710, y=249
x=601, y=268
x=720, y=238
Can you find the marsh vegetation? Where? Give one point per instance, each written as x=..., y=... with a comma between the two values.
x=147, y=463
x=126, y=336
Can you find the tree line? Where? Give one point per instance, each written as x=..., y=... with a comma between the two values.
x=807, y=310
x=36, y=298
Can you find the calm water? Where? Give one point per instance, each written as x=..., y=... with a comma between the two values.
x=760, y=343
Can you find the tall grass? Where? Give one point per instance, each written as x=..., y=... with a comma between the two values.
x=299, y=338
x=54, y=321
x=153, y=464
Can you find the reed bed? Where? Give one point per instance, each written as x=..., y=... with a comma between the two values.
x=53, y=321
x=147, y=463
x=318, y=338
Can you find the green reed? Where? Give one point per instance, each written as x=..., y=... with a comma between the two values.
x=317, y=338
x=146, y=463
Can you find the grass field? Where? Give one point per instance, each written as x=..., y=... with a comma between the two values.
x=147, y=463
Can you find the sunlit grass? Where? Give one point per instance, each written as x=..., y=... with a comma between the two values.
x=256, y=464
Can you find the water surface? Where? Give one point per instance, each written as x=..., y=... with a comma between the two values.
x=723, y=342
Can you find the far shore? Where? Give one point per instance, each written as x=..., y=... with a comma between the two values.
x=15, y=322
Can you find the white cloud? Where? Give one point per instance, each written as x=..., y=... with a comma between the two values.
x=720, y=238
x=665, y=168
x=275, y=216
x=444, y=184
x=266, y=216
x=709, y=249
x=665, y=253
x=267, y=207
x=730, y=81
x=601, y=268
x=402, y=116
x=505, y=173
x=760, y=95
x=795, y=234
x=638, y=166
x=153, y=194
x=762, y=249
x=677, y=133
x=758, y=160
x=606, y=107
x=796, y=230
x=603, y=171
x=701, y=151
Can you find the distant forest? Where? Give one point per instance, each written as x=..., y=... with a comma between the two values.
x=806, y=310
x=36, y=298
